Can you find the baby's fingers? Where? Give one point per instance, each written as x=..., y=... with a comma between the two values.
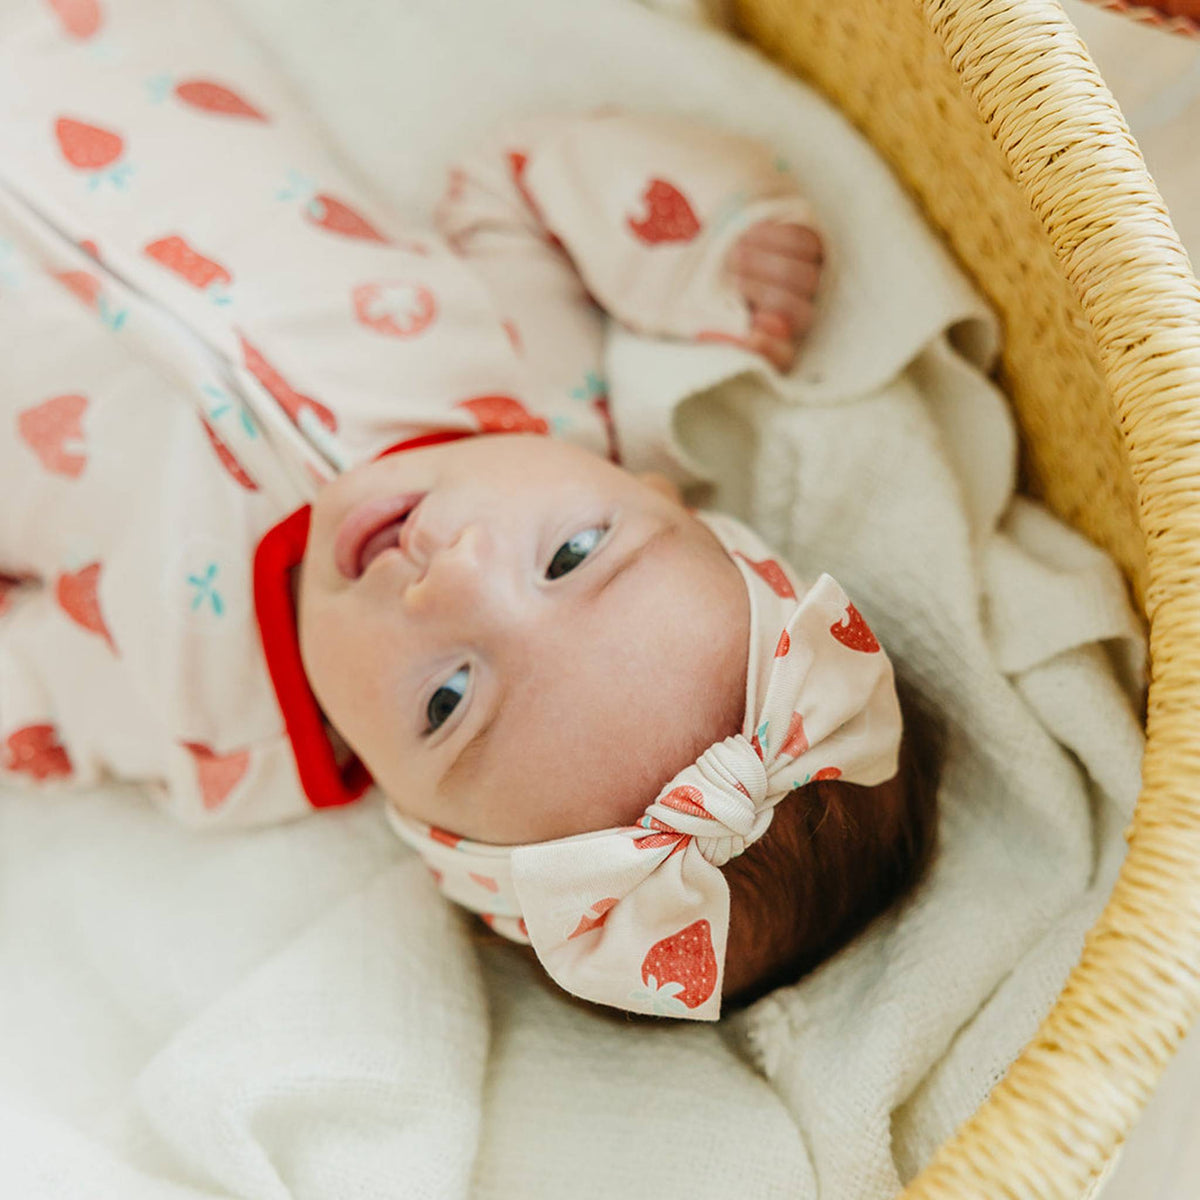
x=770, y=297
x=796, y=241
x=799, y=275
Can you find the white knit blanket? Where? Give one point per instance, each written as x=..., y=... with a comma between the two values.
x=295, y=1012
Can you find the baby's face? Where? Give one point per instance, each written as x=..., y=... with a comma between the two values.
x=552, y=639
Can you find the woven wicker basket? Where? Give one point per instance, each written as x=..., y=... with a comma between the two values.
x=994, y=115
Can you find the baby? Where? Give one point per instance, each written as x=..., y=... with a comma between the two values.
x=366, y=561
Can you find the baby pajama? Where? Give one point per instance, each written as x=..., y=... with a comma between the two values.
x=205, y=319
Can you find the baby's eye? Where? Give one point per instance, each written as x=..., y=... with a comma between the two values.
x=570, y=554
x=445, y=700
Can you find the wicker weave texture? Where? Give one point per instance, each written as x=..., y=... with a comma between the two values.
x=995, y=117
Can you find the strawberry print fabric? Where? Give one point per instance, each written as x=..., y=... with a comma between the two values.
x=207, y=318
x=637, y=917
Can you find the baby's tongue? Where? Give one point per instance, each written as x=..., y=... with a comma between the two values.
x=377, y=543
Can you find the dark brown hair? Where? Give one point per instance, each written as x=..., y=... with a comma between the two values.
x=836, y=855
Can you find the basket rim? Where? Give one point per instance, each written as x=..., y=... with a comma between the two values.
x=1054, y=1122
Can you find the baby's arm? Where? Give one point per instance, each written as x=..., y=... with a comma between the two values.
x=675, y=228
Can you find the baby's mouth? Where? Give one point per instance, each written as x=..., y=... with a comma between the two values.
x=370, y=529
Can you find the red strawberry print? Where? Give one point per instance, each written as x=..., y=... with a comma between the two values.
x=291, y=401
x=771, y=573
x=827, y=773
x=87, y=147
x=514, y=335
x=600, y=404
x=594, y=917
x=756, y=744
x=665, y=836
x=174, y=253
x=36, y=751
x=795, y=741
x=82, y=284
x=852, y=631
x=228, y=461
x=522, y=927
x=686, y=799
x=518, y=160
x=686, y=957
x=444, y=836
x=503, y=414
x=90, y=249
x=217, y=774
x=77, y=593
x=395, y=308
x=437, y=875
x=485, y=881
x=668, y=217
x=783, y=645
x=330, y=213
x=80, y=18
x=54, y=431
x=215, y=98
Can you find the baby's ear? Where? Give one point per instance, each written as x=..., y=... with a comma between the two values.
x=662, y=485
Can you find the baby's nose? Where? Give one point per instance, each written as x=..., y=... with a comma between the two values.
x=459, y=575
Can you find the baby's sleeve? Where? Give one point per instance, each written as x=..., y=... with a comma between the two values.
x=69, y=716
x=646, y=207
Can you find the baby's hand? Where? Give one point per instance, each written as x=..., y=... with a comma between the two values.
x=776, y=267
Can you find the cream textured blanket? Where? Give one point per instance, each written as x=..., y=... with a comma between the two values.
x=295, y=1012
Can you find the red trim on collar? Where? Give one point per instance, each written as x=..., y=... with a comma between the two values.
x=282, y=548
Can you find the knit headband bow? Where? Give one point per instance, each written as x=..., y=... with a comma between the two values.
x=637, y=916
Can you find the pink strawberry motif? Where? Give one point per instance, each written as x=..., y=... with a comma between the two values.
x=217, y=774
x=395, y=308
x=594, y=917
x=485, y=881
x=827, y=773
x=668, y=217
x=686, y=799
x=90, y=249
x=853, y=632
x=36, y=751
x=522, y=927
x=87, y=147
x=330, y=213
x=772, y=574
x=80, y=18
x=795, y=741
x=215, y=98
x=783, y=645
x=600, y=404
x=437, y=875
x=665, y=836
x=82, y=284
x=503, y=414
x=685, y=958
x=514, y=335
x=54, y=432
x=77, y=593
x=444, y=836
x=228, y=461
x=174, y=253
x=291, y=401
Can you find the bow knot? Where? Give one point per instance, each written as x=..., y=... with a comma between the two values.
x=718, y=800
